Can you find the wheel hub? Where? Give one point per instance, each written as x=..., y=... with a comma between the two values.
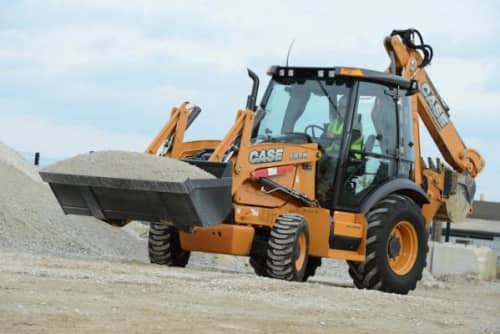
x=394, y=247
x=402, y=248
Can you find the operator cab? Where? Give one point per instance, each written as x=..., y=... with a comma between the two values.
x=360, y=119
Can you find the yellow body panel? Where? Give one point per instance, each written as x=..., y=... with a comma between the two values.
x=223, y=239
x=237, y=238
x=348, y=224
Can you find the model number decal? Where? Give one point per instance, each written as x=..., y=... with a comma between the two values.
x=298, y=156
x=271, y=155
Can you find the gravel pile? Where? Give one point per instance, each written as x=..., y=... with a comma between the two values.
x=32, y=221
x=11, y=158
x=130, y=165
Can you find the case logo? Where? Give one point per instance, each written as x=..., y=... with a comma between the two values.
x=263, y=156
x=432, y=101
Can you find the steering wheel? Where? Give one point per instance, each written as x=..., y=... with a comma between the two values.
x=312, y=127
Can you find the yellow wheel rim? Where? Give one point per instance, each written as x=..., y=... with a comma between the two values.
x=402, y=248
x=299, y=262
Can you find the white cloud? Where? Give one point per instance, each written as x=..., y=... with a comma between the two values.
x=149, y=7
x=150, y=99
x=79, y=46
x=319, y=17
x=241, y=33
x=462, y=82
x=76, y=46
x=29, y=133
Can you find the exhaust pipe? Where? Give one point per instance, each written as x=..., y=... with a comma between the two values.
x=252, y=98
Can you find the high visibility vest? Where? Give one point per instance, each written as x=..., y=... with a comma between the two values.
x=335, y=129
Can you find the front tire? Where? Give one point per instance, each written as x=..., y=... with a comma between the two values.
x=288, y=248
x=396, y=248
x=164, y=246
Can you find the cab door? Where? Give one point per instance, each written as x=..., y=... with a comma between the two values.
x=371, y=157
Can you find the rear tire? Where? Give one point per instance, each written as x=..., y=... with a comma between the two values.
x=396, y=247
x=164, y=246
x=288, y=248
x=258, y=253
x=258, y=265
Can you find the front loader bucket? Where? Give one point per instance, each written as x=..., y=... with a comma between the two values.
x=194, y=202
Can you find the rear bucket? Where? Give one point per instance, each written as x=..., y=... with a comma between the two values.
x=194, y=202
x=459, y=202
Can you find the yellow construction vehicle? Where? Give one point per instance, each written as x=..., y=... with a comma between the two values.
x=328, y=165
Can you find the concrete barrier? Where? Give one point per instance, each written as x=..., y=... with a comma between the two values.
x=457, y=259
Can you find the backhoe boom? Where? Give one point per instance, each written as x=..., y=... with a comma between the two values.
x=409, y=63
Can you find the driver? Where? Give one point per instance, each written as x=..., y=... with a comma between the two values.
x=336, y=126
x=328, y=163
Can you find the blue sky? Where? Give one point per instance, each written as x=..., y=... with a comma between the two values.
x=96, y=74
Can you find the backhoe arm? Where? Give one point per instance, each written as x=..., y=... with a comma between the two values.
x=450, y=191
x=408, y=60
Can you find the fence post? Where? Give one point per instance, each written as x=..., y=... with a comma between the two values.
x=447, y=233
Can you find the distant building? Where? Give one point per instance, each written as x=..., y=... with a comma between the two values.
x=486, y=210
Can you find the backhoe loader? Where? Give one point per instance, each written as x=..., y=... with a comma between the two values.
x=327, y=165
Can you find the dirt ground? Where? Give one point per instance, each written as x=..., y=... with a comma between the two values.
x=41, y=294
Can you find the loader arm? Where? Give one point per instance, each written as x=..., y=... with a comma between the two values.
x=242, y=128
x=177, y=121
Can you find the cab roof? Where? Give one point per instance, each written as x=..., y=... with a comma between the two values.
x=325, y=73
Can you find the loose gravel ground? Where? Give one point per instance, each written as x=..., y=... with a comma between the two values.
x=43, y=294
x=61, y=274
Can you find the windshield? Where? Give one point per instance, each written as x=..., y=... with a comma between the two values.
x=306, y=108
